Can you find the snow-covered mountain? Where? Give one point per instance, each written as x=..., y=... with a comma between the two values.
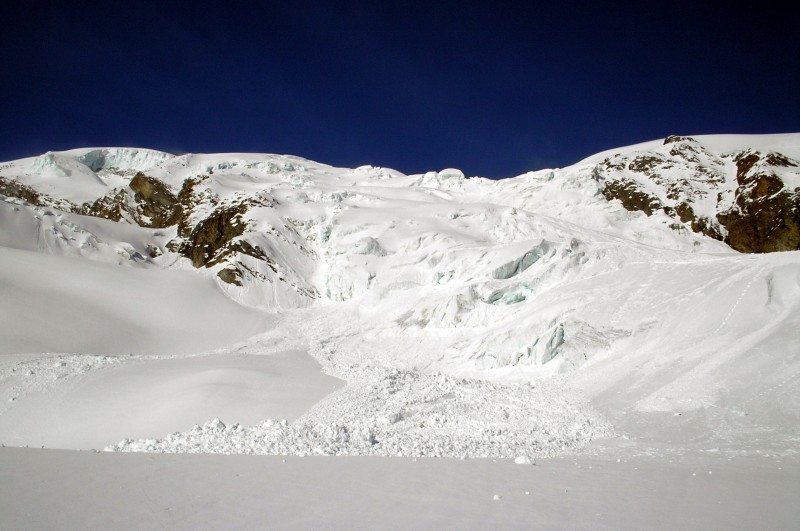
x=621, y=271
x=744, y=191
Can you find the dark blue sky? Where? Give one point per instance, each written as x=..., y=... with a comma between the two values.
x=494, y=89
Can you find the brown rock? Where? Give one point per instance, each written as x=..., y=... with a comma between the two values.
x=631, y=197
x=230, y=275
x=765, y=223
x=675, y=138
x=113, y=206
x=155, y=201
x=766, y=215
x=212, y=234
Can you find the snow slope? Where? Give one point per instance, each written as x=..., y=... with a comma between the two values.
x=53, y=303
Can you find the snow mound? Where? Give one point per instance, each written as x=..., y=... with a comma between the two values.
x=405, y=413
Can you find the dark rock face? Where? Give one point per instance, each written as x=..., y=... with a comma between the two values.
x=766, y=215
x=675, y=138
x=207, y=242
x=205, y=239
x=146, y=201
x=188, y=201
x=761, y=214
x=230, y=275
x=11, y=188
x=113, y=206
x=235, y=270
x=212, y=239
x=632, y=196
x=700, y=224
x=745, y=163
x=155, y=201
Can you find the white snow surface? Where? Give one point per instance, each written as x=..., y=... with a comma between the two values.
x=54, y=303
x=469, y=318
x=137, y=491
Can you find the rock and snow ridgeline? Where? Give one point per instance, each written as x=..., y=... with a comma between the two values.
x=749, y=198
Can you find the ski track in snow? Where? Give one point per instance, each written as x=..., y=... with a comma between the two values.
x=791, y=380
x=757, y=275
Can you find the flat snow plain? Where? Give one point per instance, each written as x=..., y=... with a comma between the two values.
x=57, y=489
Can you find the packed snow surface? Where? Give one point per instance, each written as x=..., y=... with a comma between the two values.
x=519, y=318
x=93, y=399
x=136, y=491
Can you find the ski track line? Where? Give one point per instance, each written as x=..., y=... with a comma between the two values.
x=792, y=379
x=741, y=296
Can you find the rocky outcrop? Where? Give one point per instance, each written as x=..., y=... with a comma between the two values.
x=740, y=198
x=146, y=202
x=766, y=214
x=157, y=206
x=115, y=205
x=207, y=231
x=208, y=241
x=631, y=196
x=235, y=270
x=12, y=188
x=210, y=231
